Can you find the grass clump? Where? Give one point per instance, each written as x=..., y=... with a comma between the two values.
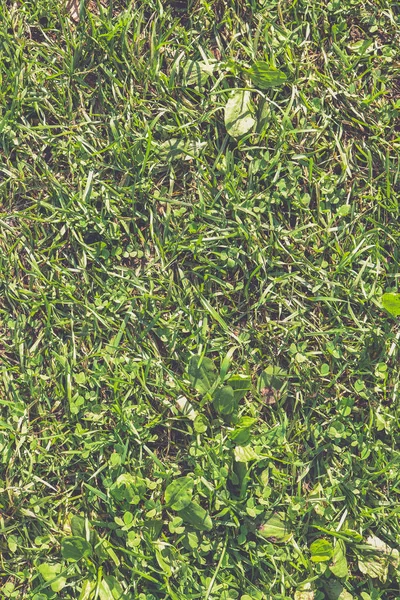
x=199, y=378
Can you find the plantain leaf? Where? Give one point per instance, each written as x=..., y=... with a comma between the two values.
x=202, y=375
x=264, y=76
x=276, y=529
x=238, y=116
x=74, y=548
x=179, y=493
x=224, y=400
x=240, y=384
x=196, y=516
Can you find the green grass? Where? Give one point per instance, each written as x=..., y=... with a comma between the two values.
x=147, y=257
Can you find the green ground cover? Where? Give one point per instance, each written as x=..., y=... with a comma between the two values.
x=199, y=385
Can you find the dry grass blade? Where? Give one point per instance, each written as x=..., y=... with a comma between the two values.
x=73, y=8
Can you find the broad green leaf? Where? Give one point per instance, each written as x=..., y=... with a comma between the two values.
x=240, y=384
x=321, y=550
x=153, y=528
x=200, y=424
x=196, y=73
x=179, y=493
x=304, y=595
x=78, y=526
x=224, y=401
x=74, y=548
x=334, y=590
x=241, y=433
x=263, y=76
x=391, y=302
x=12, y=542
x=352, y=534
x=51, y=573
x=196, y=516
x=338, y=565
x=238, y=115
x=276, y=435
x=276, y=528
x=244, y=454
x=376, y=558
x=80, y=378
x=202, y=376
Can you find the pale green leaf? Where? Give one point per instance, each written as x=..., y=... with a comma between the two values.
x=186, y=408
x=321, y=550
x=128, y=488
x=88, y=587
x=306, y=592
x=376, y=559
x=338, y=565
x=391, y=302
x=276, y=528
x=175, y=149
x=179, y=493
x=51, y=573
x=196, y=73
x=238, y=114
x=244, y=454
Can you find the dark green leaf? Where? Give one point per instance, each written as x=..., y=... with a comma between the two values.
x=129, y=488
x=87, y=588
x=196, y=516
x=78, y=526
x=272, y=377
x=202, y=376
x=245, y=454
x=264, y=76
x=74, y=548
x=240, y=384
x=224, y=400
x=241, y=433
x=334, y=590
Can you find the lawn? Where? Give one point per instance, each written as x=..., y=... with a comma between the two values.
x=199, y=367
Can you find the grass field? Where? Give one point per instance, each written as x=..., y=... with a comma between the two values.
x=199, y=385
